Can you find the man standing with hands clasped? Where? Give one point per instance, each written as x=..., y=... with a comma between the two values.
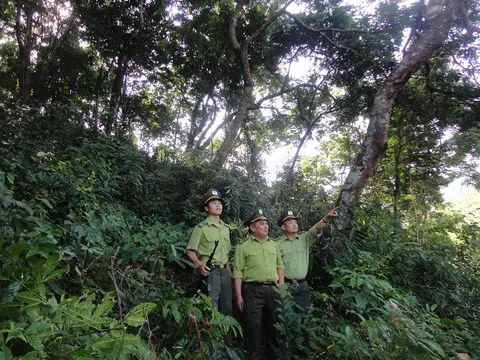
x=258, y=269
x=295, y=251
x=202, y=244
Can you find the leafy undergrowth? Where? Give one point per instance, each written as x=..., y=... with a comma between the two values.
x=93, y=236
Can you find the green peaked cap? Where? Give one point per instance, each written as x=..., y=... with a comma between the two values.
x=256, y=216
x=285, y=215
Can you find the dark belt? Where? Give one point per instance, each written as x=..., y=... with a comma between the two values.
x=293, y=281
x=218, y=266
x=265, y=283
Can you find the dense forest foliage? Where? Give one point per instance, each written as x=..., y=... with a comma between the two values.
x=116, y=116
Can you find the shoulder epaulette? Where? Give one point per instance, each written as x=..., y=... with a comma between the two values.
x=203, y=223
x=242, y=241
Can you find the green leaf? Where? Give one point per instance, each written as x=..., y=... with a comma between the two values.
x=40, y=290
x=32, y=355
x=16, y=249
x=22, y=205
x=174, y=251
x=134, y=320
x=176, y=314
x=35, y=342
x=55, y=274
x=106, y=306
x=7, y=202
x=47, y=203
x=5, y=353
x=434, y=346
x=11, y=178
x=361, y=302
x=348, y=332
x=44, y=270
x=41, y=154
x=136, y=316
x=39, y=328
x=53, y=303
x=11, y=291
x=28, y=297
x=44, y=250
x=372, y=335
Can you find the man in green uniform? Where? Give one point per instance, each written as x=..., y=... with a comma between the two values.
x=201, y=245
x=295, y=251
x=258, y=268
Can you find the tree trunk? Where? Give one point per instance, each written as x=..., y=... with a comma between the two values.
x=253, y=168
x=25, y=44
x=46, y=68
x=193, y=125
x=396, y=185
x=120, y=73
x=232, y=132
x=374, y=144
x=98, y=87
x=291, y=171
x=237, y=123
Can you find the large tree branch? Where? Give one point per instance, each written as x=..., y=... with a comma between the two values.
x=308, y=132
x=320, y=30
x=285, y=90
x=461, y=96
x=212, y=136
x=269, y=22
x=232, y=29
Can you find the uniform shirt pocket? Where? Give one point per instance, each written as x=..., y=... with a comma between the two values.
x=271, y=255
x=254, y=257
x=210, y=237
x=288, y=254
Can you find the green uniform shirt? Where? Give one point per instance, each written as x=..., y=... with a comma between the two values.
x=257, y=260
x=296, y=253
x=203, y=241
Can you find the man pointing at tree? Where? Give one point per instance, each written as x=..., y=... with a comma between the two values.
x=295, y=251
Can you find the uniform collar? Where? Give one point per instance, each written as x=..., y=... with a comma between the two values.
x=253, y=238
x=284, y=237
x=210, y=222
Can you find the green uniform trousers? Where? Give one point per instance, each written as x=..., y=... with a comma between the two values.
x=220, y=290
x=260, y=304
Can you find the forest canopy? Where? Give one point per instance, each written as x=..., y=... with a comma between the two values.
x=116, y=116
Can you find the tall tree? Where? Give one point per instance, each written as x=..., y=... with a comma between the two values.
x=126, y=34
x=242, y=48
x=431, y=39
x=24, y=18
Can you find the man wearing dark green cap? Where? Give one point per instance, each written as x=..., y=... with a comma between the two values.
x=295, y=251
x=258, y=268
x=201, y=245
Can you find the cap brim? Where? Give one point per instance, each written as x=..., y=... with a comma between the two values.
x=258, y=218
x=215, y=197
x=280, y=221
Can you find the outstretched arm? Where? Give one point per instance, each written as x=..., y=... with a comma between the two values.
x=323, y=223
